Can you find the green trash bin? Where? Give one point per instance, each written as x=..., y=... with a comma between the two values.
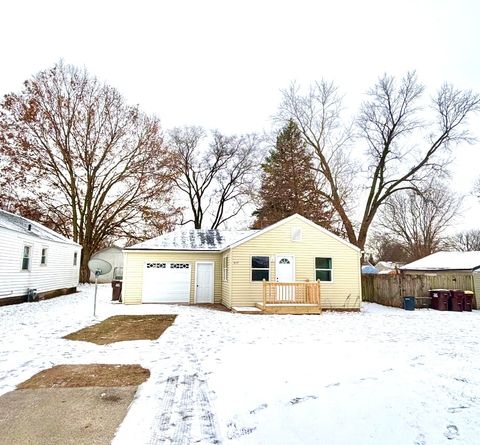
x=409, y=303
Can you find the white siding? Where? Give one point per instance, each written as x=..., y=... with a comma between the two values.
x=58, y=272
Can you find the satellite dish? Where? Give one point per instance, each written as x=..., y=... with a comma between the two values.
x=99, y=267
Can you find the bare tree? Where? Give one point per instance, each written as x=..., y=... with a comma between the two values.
x=403, y=147
x=217, y=180
x=466, y=241
x=382, y=246
x=77, y=158
x=418, y=219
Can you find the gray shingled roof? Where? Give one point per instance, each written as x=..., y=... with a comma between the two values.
x=199, y=239
x=20, y=224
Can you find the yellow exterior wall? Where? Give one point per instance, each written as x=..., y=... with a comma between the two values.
x=133, y=263
x=344, y=292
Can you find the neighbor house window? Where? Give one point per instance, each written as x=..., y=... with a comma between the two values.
x=260, y=268
x=75, y=258
x=323, y=269
x=26, y=257
x=43, y=258
x=225, y=268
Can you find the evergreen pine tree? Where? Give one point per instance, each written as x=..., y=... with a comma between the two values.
x=288, y=183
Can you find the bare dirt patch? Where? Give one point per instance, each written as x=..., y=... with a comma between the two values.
x=77, y=376
x=124, y=328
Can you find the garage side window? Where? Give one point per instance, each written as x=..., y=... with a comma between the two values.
x=260, y=268
x=225, y=268
x=323, y=269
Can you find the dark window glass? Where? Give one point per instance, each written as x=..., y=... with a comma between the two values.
x=26, y=258
x=43, y=260
x=260, y=262
x=323, y=263
x=75, y=255
x=323, y=275
x=260, y=274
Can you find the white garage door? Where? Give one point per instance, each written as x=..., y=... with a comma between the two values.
x=166, y=282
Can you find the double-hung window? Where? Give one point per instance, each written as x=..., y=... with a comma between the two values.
x=260, y=268
x=43, y=258
x=27, y=250
x=75, y=258
x=323, y=269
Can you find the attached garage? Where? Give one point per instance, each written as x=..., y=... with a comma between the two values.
x=166, y=282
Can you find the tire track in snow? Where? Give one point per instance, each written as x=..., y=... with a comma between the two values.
x=163, y=419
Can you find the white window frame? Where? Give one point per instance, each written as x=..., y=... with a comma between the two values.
x=269, y=268
x=30, y=254
x=315, y=269
x=296, y=230
x=44, y=248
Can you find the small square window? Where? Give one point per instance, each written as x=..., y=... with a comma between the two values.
x=296, y=234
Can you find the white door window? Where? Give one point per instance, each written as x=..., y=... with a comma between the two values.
x=165, y=282
x=204, y=283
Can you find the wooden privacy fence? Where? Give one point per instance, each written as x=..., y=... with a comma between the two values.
x=291, y=293
x=389, y=290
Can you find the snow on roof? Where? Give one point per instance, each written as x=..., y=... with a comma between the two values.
x=28, y=227
x=194, y=239
x=446, y=261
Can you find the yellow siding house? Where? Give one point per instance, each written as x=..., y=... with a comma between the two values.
x=293, y=266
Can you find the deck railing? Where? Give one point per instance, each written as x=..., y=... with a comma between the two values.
x=291, y=293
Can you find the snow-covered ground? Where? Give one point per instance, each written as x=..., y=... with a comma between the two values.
x=382, y=376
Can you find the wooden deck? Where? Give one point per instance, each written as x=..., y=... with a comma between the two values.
x=291, y=298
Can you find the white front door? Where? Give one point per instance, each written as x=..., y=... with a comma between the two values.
x=204, y=283
x=285, y=269
x=285, y=273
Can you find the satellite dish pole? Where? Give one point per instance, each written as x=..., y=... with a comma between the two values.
x=98, y=267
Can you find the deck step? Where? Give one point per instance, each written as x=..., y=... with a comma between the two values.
x=291, y=308
x=246, y=310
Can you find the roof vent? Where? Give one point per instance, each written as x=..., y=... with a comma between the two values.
x=296, y=234
x=29, y=227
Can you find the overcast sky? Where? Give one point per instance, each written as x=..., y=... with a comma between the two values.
x=221, y=64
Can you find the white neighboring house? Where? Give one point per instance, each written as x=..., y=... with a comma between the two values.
x=35, y=257
x=113, y=255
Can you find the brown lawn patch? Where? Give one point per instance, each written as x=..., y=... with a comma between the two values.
x=124, y=328
x=78, y=376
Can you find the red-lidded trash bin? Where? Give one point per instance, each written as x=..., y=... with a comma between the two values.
x=455, y=303
x=440, y=299
x=468, y=301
